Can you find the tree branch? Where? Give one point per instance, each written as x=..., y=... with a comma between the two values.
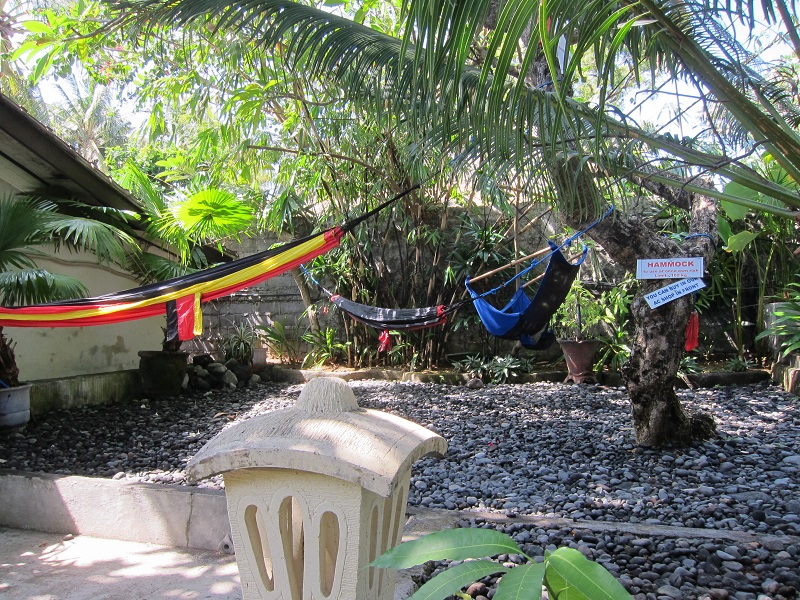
x=356, y=161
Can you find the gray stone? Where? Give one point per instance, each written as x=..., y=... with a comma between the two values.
x=216, y=368
x=670, y=591
x=229, y=379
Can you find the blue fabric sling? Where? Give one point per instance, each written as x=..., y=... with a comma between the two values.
x=525, y=319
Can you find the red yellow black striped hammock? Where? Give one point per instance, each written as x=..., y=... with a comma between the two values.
x=181, y=298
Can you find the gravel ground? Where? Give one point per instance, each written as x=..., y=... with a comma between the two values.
x=533, y=449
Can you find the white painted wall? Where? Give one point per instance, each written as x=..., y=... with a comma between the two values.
x=49, y=352
x=52, y=352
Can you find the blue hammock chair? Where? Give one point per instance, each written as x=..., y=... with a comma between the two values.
x=525, y=319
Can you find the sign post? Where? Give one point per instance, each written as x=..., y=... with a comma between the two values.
x=669, y=268
x=688, y=270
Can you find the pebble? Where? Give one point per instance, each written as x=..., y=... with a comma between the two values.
x=541, y=449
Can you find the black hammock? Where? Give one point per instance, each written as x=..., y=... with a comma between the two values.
x=387, y=319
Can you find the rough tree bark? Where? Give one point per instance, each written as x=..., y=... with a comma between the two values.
x=659, y=334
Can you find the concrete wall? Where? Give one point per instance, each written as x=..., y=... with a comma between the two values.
x=48, y=352
x=84, y=390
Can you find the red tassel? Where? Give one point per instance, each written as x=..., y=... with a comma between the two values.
x=692, y=331
x=385, y=341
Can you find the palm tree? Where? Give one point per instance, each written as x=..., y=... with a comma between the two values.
x=510, y=110
x=85, y=116
x=27, y=226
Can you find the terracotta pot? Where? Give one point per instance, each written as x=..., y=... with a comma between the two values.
x=580, y=356
x=15, y=406
x=162, y=372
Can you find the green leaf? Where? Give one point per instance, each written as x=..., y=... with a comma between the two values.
x=453, y=544
x=738, y=242
x=213, y=213
x=735, y=212
x=37, y=27
x=523, y=582
x=43, y=64
x=724, y=230
x=453, y=579
x=570, y=575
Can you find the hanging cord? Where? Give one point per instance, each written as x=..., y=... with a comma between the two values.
x=313, y=280
x=350, y=225
x=705, y=235
x=553, y=250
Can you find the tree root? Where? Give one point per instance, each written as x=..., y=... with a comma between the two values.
x=703, y=426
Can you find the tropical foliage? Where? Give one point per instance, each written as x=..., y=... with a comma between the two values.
x=28, y=227
x=315, y=112
x=565, y=572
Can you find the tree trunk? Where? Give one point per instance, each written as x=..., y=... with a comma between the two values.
x=658, y=340
x=650, y=373
x=305, y=294
x=9, y=373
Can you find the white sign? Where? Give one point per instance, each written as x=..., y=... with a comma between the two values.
x=673, y=291
x=669, y=268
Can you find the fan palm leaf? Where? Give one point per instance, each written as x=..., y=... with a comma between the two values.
x=27, y=225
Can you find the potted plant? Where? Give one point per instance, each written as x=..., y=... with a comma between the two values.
x=579, y=313
x=27, y=225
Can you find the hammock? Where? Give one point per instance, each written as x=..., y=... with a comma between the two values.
x=180, y=298
x=525, y=319
x=400, y=319
x=387, y=319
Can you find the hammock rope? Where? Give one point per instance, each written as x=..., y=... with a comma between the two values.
x=547, y=255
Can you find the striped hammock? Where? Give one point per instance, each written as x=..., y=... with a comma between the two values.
x=180, y=298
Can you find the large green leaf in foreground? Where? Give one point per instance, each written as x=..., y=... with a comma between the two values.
x=452, y=544
x=570, y=575
x=453, y=579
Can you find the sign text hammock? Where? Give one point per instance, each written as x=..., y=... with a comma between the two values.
x=180, y=298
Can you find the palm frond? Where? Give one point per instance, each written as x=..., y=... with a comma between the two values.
x=21, y=226
x=150, y=268
x=489, y=112
x=89, y=235
x=34, y=286
x=212, y=214
x=26, y=225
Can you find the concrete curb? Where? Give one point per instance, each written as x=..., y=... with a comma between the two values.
x=167, y=515
x=695, y=380
x=190, y=517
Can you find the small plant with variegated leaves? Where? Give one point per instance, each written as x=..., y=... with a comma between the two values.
x=565, y=573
